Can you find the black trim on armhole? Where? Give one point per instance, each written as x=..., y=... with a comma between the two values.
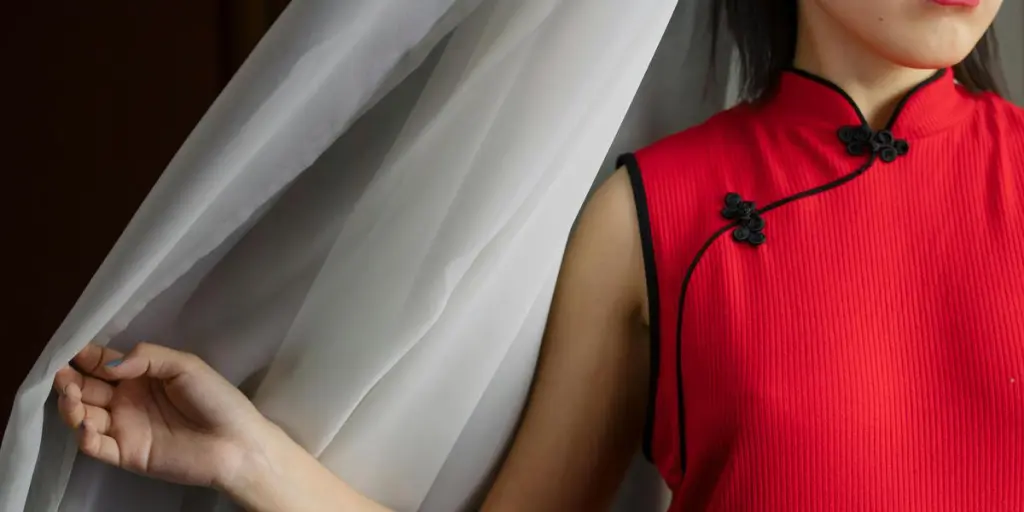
x=643, y=216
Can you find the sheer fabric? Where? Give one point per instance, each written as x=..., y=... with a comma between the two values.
x=386, y=305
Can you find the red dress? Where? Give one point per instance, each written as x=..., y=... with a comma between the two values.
x=837, y=313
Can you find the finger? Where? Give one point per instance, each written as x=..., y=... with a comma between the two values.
x=98, y=446
x=70, y=406
x=74, y=412
x=94, y=391
x=93, y=359
x=98, y=418
x=153, y=361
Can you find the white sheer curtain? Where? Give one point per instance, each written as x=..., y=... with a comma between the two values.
x=386, y=306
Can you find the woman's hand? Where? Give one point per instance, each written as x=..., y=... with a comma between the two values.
x=166, y=414
x=160, y=413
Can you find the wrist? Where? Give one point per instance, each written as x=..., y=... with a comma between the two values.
x=257, y=455
x=276, y=474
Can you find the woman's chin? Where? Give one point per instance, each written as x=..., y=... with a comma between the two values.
x=928, y=58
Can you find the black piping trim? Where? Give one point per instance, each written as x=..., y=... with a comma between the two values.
x=872, y=158
x=679, y=340
x=643, y=215
x=822, y=188
x=860, y=115
x=831, y=85
x=906, y=97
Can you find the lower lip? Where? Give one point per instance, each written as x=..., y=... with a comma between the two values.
x=957, y=3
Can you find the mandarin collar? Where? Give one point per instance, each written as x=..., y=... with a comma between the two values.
x=933, y=105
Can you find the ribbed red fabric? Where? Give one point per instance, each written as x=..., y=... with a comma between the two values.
x=869, y=355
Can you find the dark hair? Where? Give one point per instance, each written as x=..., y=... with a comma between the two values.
x=765, y=34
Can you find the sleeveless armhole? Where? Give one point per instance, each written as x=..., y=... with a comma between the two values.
x=632, y=167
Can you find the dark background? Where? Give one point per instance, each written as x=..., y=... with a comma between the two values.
x=97, y=97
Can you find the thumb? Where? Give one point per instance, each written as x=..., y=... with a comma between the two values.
x=154, y=361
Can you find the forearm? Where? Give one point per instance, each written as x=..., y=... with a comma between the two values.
x=280, y=476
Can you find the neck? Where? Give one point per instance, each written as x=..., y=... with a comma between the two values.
x=875, y=84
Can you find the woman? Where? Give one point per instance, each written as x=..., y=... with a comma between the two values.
x=828, y=276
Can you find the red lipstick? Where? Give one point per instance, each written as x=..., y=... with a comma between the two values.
x=958, y=3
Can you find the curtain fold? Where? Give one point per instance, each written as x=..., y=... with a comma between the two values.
x=313, y=73
x=364, y=233
x=447, y=261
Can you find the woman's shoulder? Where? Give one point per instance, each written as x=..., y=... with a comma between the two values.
x=703, y=156
x=1000, y=113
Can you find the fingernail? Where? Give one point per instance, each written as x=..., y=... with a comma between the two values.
x=115, y=362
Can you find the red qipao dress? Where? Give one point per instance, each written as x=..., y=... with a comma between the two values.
x=837, y=312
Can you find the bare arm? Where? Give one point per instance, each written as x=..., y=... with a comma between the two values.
x=585, y=415
x=281, y=476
